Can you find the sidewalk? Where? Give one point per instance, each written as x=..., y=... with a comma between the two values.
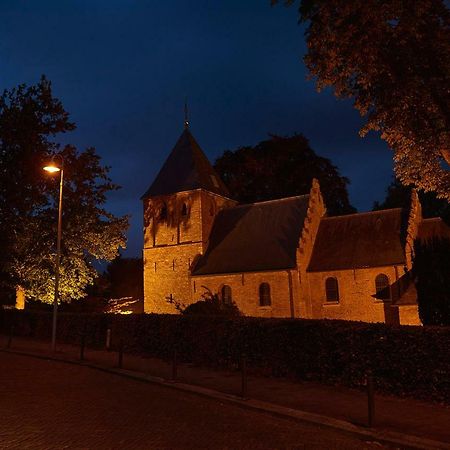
x=407, y=416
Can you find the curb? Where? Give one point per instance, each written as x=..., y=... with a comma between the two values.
x=406, y=441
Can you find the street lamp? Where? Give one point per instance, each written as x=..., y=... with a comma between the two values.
x=53, y=168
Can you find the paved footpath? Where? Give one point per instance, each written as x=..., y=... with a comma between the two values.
x=393, y=415
x=51, y=405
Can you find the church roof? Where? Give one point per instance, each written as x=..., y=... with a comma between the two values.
x=255, y=237
x=355, y=241
x=187, y=168
x=434, y=227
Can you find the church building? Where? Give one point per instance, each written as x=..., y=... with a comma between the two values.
x=278, y=258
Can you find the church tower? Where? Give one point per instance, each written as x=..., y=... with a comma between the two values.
x=179, y=210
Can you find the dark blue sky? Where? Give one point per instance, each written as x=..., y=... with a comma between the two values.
x=123, y=67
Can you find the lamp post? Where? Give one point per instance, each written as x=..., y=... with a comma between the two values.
x=53, y=168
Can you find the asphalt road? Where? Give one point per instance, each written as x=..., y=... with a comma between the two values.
x=50, y=405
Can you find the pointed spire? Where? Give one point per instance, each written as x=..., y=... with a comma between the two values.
x=187, y=168
x=186, y=116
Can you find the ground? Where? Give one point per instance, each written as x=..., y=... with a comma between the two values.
x=49, y=405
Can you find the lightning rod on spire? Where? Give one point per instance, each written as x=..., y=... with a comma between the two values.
x=186, y=117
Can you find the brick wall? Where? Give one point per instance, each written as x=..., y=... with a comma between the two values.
x=356, y=291
x=284, y=291
x=171, y=244
x=316, y=210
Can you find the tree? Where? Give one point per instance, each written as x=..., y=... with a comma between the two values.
x=399, y=196
x=432, y=272
x=393, y=58
x=30, y=118
x=282, y=167
x=125, y=278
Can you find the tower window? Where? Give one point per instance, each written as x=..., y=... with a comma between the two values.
x=332, y=289
x=163, y=212
x=264, y=294
x=382, y=288
x=184, y=210
x=226, y=294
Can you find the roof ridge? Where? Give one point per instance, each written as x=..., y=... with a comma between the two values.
x=430, y=219
x=272, y=201
x=365, y=213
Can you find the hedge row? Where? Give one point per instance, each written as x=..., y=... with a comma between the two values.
x=412, y=361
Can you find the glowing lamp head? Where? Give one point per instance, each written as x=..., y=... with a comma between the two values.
x=51, y=168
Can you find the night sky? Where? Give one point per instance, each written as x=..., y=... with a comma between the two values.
x=122, y=68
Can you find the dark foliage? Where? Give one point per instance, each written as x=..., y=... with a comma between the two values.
x=212, y=305
x=282, y=167
x=432, y=272
x=399, y=196
x=411, y=361
x=31, y=118
x=393, y=59
x=124, y=278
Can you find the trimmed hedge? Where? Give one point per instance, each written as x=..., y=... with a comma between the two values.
x=412, y=361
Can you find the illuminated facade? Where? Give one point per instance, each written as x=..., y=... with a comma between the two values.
x=280, y=258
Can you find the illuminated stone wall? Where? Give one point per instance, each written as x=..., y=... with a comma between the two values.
x=356, y=296
x=284, y=290
x=172, y=240
x=316, y=210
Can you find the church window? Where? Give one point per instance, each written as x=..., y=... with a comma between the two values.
x=184, y=210
x=382, y=287
x=226, y=294
x=332, y=289
x=264, y=294
x=163, y=212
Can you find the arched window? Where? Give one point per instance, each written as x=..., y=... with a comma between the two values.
x=332, y=289
x=264, y=294
x=184, y=210
x=226, y=294
x=163, y=212
x=382, y=287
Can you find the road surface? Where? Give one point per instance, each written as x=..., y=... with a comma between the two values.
x=50, y=405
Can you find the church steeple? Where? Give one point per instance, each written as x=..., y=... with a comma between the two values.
x=187, y=168
x=179, y=210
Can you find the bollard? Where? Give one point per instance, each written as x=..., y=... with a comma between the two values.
x=11, y=332
x=370, y=400
x=174, y=366
x=120, y=363
x=83, y=341
x=243, y=376
x=108, y=339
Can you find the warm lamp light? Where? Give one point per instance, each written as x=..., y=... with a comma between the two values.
x=52, y=169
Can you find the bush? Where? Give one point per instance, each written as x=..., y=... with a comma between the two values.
x=212, y=305
x=412, y=361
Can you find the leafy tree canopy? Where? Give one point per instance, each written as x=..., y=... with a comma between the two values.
x=282, y=167
x=124, y=277
x=399, y=196
x=30, y=118
x=393, y=58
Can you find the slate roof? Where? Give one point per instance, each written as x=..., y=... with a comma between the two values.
x=434, y=227
x=187, y=168
x=355, y=241
x=255, y=237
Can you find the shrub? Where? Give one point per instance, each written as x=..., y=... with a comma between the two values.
x=412, y=361
x=212, y=305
